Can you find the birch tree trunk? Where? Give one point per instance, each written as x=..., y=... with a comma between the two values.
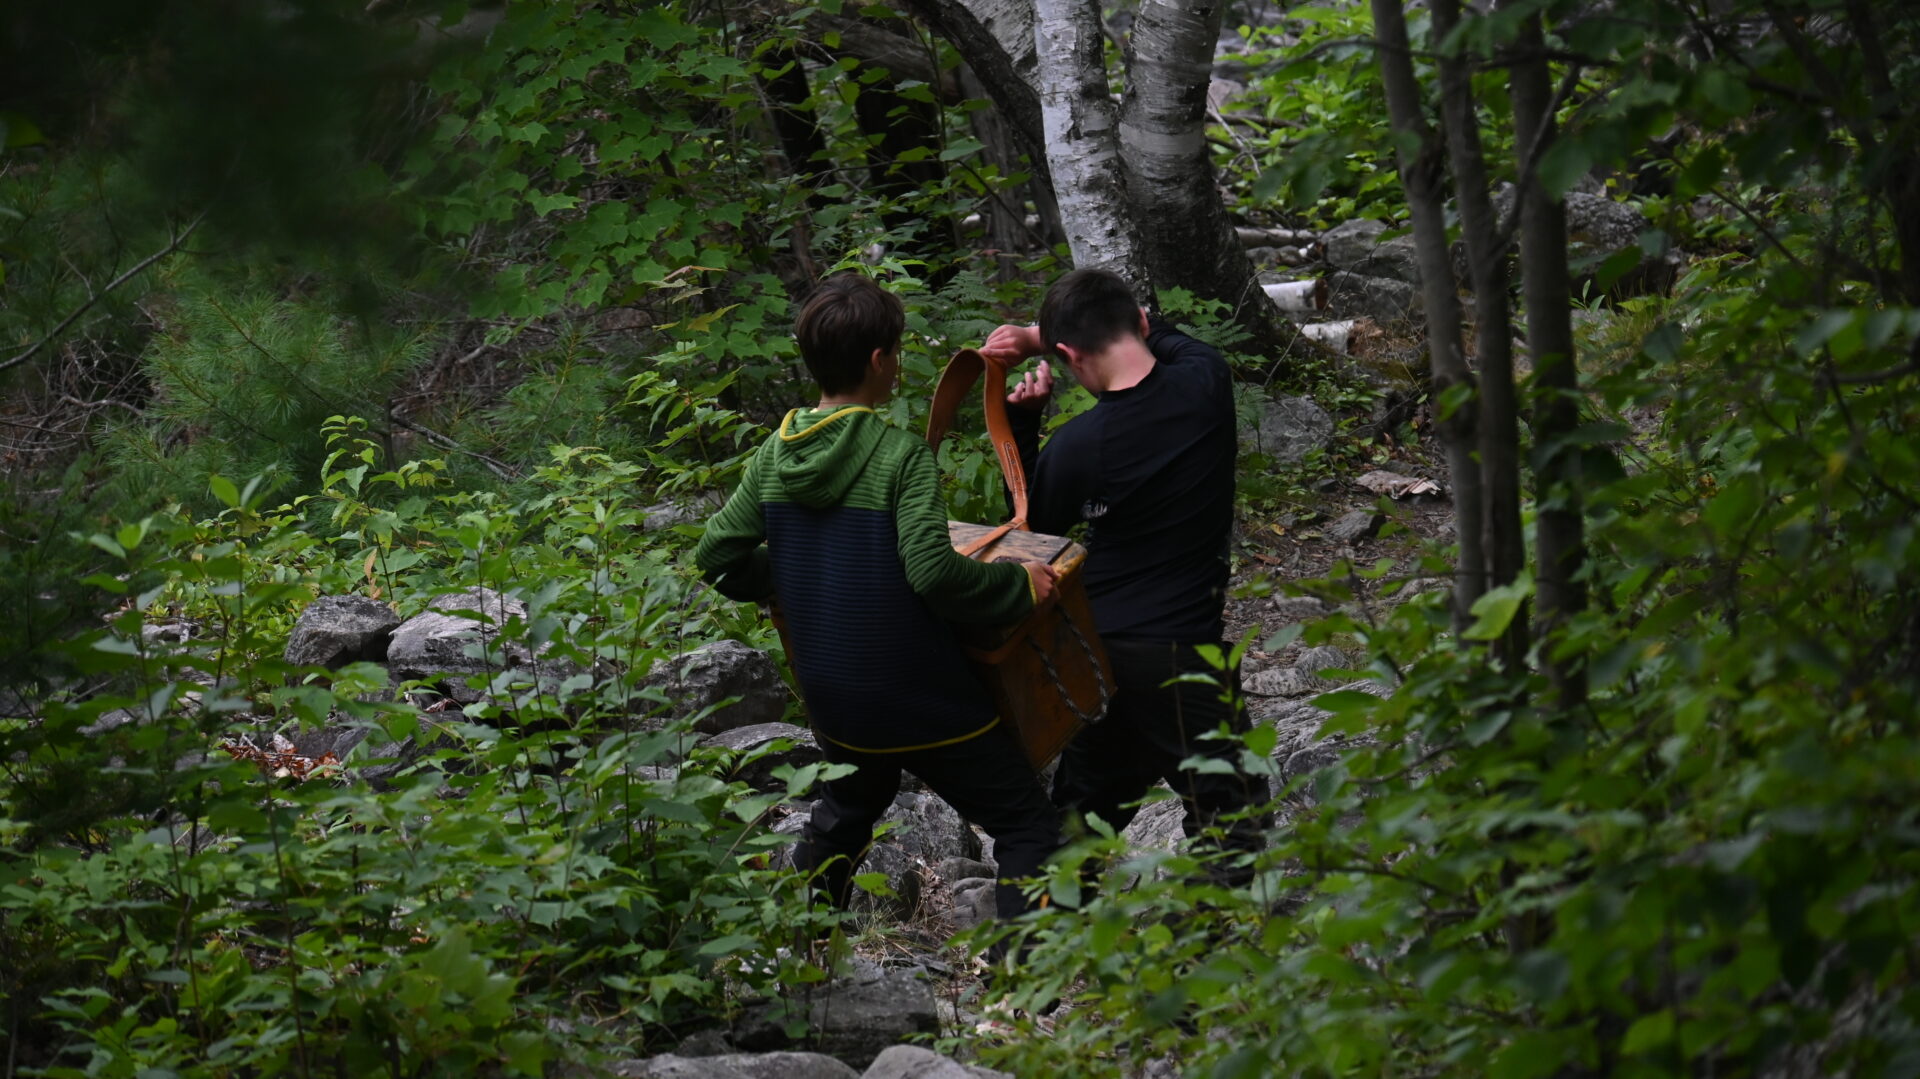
x=1422, y=172
x=1163, y=140
x=1498, y=424
x=1080, y=122
x=1546, y=285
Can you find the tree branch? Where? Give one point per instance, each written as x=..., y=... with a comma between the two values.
x=172, y=246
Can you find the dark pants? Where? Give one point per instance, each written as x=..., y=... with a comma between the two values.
x=1150, y=727
x=986, y=779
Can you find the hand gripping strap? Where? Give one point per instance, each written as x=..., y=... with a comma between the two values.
x=956, y=382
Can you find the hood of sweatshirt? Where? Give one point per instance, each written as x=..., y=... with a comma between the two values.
x=819, y=453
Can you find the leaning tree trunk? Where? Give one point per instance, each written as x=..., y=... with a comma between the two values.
x=1422, y=173
x=996, y=38
x=1559, y=530
x=1189, y=239
x=1079, y=121
x=1498, y=424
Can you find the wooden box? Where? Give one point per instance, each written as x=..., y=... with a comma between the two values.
x=1048, y=672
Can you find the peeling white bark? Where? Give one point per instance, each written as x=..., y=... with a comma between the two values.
x=1334, y=335
x=1080, y=122
x=1298, y=295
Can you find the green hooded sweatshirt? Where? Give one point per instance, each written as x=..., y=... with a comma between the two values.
x=856, y=550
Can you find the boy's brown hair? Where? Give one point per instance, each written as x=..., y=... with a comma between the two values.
x=845, y=319
x=1089, y=309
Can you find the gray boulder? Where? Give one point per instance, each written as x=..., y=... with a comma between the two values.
x=854, y=1019
x=704, y=677
x=1382, y=299
x=1356, y=246
x=1300, y=679
x=1300, y=608
x=1598, y=227
x=758, y=773
x=1158, y=825
x=960, y=868
x=1280, y=682
x=1287, y=428
x=457, y=636
x=336, y=630
x=1321, y=658
x=915, y=1062
x=687, y=509
x=1355, y=526
x=926, y=833
x=737, y=1066
x=929, y=831
x=975, y=901
x=1301, y=750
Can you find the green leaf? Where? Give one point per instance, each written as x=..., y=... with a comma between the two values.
x=1494, y=611
x=224, y=490
x=1562, y=166
x=1649, y=1032
x=874, y=884
x=738, y=942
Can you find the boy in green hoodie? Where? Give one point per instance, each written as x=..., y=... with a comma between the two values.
x=855, y=547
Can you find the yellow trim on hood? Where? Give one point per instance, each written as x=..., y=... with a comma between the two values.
x=798, y=435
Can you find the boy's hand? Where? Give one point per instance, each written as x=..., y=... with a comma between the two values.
x=1009, y=345
x=1042, y=576
x=1034, y=389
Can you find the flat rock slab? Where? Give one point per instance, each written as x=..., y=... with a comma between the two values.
x=853, y=1019
x=337, y=630
x=758, y=773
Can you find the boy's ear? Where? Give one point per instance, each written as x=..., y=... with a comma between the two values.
x=1074, y=357
x=1143, y=324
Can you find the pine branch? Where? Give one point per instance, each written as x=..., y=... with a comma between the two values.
x=172, y=246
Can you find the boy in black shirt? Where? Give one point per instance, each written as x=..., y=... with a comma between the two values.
x=1150, y=469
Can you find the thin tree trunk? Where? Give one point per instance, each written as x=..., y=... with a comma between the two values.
x=996, y=38
x=1008, y=232
x=1422, y=169
x=1497, y=424
x=1559, y=531
x=1079, y=121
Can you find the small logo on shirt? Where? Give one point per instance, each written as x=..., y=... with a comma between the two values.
x=1094, y=509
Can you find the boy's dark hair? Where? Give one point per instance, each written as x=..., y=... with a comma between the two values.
x=842, y=322
x=1089, y=309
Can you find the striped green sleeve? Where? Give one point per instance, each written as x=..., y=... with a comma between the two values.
x=957, y=588
x=732, y=555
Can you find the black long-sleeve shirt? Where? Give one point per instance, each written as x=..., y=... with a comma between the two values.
x=1150, y=468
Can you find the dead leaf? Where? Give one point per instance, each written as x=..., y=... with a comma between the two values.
x=1394, y=485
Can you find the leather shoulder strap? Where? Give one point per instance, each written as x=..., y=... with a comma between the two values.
x=956, y=382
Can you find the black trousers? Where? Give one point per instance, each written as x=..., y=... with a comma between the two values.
x=1150, y=727
x=986, y=779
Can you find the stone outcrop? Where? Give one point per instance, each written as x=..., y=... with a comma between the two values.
x=458, y=636
x=758, y=772
x=1287, y=428
x=1357, y=247
x=696, y=683
x=854, y=1019
x=336, y=630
